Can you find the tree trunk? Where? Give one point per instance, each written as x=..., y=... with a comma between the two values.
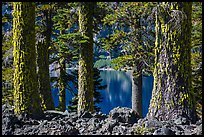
x=43, y=66
x=171, y=95
x=62, y=83
x=137, y=71
x=137, y=92
x=85, y=80
x=26, y=96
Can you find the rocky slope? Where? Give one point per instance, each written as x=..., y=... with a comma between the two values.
x=120, y=121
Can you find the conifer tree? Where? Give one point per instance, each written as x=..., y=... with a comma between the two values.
x=85, y=80
x=172, y=94
x=62, y=81
x=134, y=39
x=26, y=96
x=97, y=95
x=65, y=47
x=43, y=44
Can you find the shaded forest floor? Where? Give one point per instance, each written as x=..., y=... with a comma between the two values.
x=120, y=121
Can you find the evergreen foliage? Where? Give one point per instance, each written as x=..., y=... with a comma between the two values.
x=131, y=34
x=97, y=88
x=65, y=47
x=196, y=54
x=145, y=37
x=7, y=56
x=131, y=37
x=43, y=38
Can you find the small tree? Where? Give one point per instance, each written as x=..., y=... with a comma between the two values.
x=65, y=47
x=97, y=94
x=133, y=37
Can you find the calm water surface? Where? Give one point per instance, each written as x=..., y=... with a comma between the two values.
x=118, y=91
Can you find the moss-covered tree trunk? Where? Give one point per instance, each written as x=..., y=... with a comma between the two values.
x=137, y=90
x=171, y=95
x=26, y=96
x=43, y=65
x=85, y=80
x=62, y=85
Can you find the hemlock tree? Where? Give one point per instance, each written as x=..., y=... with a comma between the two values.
x=97, y=86
x=67, y=44
x=43, y=43
x=26, y=96
x=65, y=47
x=131, y=34
x=62, y=81
x=171, y=95
x=85, y=79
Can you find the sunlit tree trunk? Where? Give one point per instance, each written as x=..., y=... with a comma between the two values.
x=85, y=80
x=43, y=65
x=26, y=96
x=172, y=95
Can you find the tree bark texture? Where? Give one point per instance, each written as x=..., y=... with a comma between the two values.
x=172, y=94
x=85, y=79
x=137, y=71
x=43, y=66
x=26, y=96
x=137, y=92
x=62, y=85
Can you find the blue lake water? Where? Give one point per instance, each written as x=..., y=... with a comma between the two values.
x=118, y=91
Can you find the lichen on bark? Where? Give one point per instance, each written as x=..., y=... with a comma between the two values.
x=62, y=85
x=43, y=65
x=26, y=96
x=171, y=95
x=85, y=78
